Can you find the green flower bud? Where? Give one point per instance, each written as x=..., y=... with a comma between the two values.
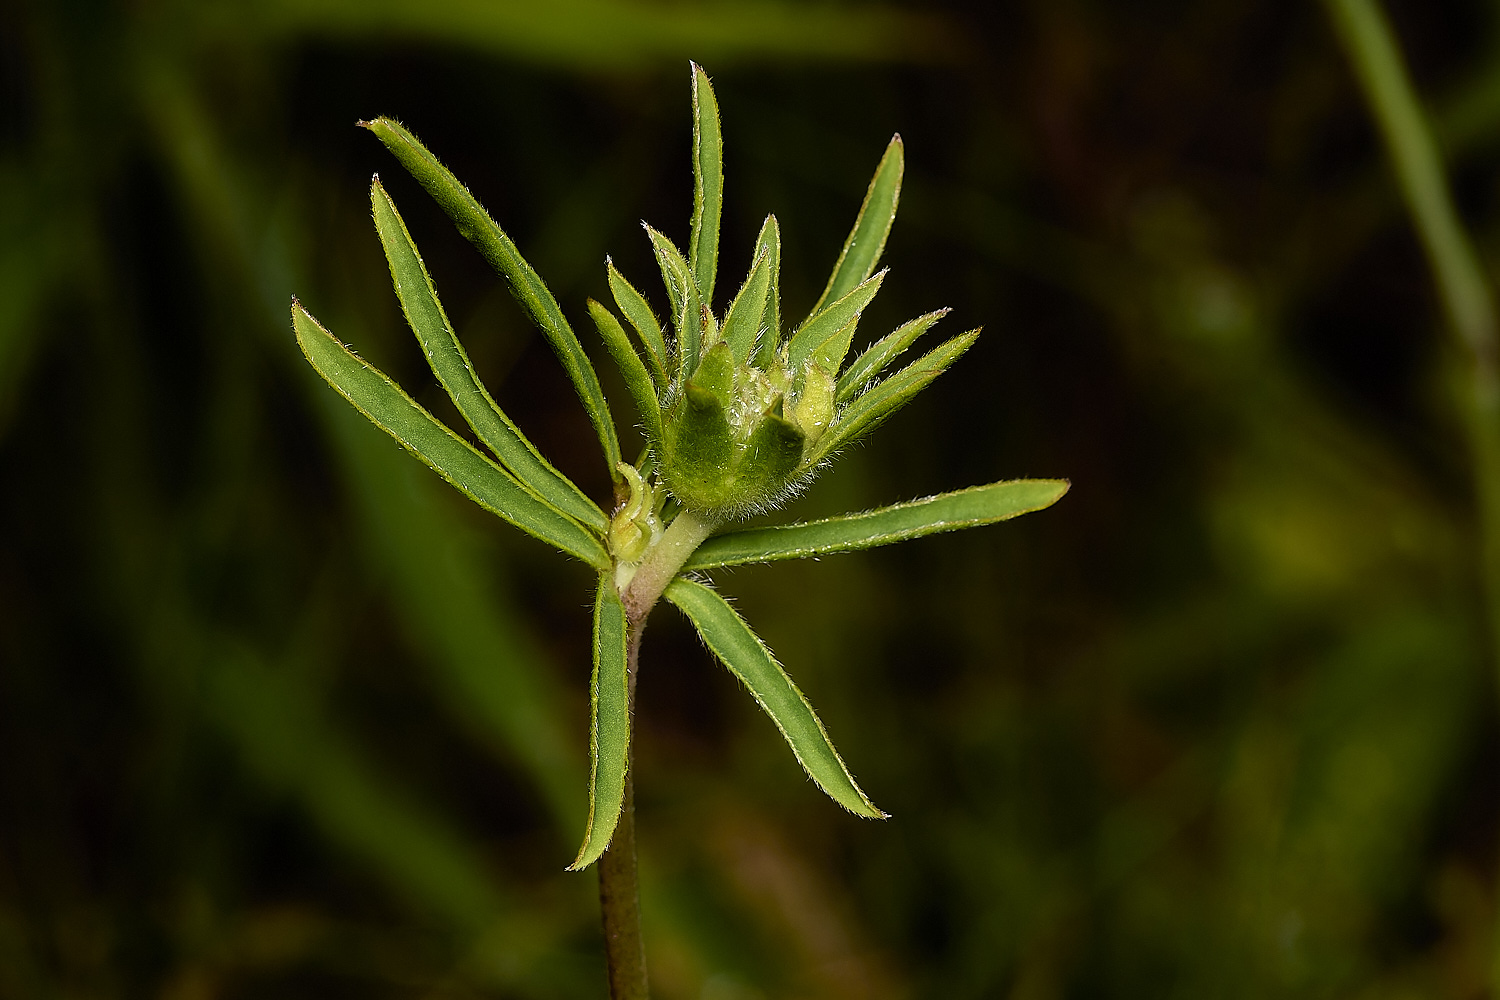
x=740, y=412
x=727, y=447
x=635, y=526
x=814, y=409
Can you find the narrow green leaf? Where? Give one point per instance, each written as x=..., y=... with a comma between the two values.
x=638, y=312
x=881, y=353
x=871, y=227
x=708, y=186
x=831, y=320
x=450, y=363
x=683, y=292
x=877, y=403
x=637, y=379
x=769, y=242
x=451, y=457
x=609, y=731
x=716, y=374
x=476, y=226
x=743, y=320
x=829, y=355
x=741, y=650
x=968, y=508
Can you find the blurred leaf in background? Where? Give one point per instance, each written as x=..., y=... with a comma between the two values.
x=281, y=717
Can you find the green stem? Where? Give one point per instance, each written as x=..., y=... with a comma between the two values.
x=619, y=884
x=662, y=561
x=1467, y=301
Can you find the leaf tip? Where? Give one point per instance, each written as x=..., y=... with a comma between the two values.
x=862, y=807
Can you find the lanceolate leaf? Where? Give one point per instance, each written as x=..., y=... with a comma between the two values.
x=831, y=320
x=637, y=379
x=769, y=242
x=871, y=227
x=866, y=412
x=741, y=650
x=394, y=412
x=708, y=186
x=829, y=355
x=743, y=321
x=633, y=304
x=881, y=353
x=968, y=508
x=479, y=229
x=609, y=732
x=683, y=291
x=451, y=365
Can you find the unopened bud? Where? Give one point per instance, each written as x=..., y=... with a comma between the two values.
x=635, y=525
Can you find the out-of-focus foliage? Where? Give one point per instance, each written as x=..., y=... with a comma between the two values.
x=281, y=716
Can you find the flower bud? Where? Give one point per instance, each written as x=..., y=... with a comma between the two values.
x=635, y=525
x=728, y=447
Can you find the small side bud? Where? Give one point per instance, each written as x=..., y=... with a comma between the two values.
x=813, y=411
x=635, y=526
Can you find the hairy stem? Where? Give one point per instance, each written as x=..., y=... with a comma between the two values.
x=619, y=888
x=662, y=561
x=1465, y=293
x=619, y=884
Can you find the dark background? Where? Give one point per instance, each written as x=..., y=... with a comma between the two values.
x=281, y=715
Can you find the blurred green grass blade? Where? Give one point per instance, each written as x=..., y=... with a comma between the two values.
x=867, y=411
x=488, y=668
x=769, y=242
x=274, y=721
x=741, y=650
x=686, y=305
x=638, y=313
x=871, y=227
x=592, y=35
x=632, y=368
x=708, y=186
x=878, y=355
x=827, y=323
x=525, y=284
x=394, y=412
x=609, y=735
x=485, y=662
x=968, y=508
x=743, y=320
x=1415, y=158
x=38, y=239
x=450, y=363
